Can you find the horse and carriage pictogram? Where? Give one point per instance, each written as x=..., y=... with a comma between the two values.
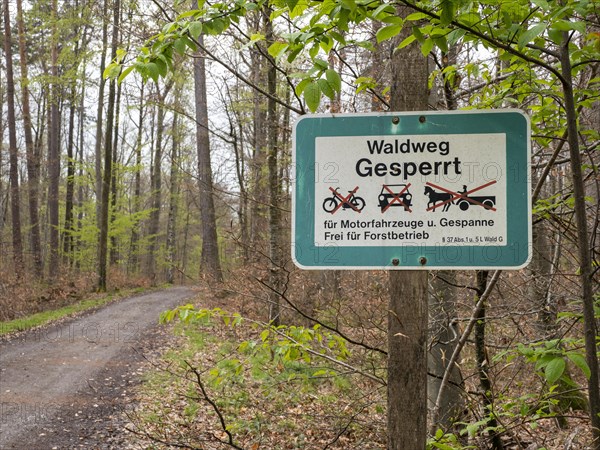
x=463, y=198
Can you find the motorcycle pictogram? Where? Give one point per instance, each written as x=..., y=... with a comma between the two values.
x=337, y=201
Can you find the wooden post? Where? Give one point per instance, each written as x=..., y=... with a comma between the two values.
x=407, y=360
x=407, y=316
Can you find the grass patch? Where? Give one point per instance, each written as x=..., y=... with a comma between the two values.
x=42, y=318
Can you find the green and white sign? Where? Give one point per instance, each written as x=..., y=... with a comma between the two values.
x=412, y=190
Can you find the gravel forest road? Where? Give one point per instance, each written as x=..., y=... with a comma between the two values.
x=64, y=386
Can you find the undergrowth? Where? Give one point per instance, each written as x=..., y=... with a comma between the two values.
x=237, y=382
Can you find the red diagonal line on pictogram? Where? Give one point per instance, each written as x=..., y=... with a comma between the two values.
x=396, y=197
x=345, y=200
x=461, y=195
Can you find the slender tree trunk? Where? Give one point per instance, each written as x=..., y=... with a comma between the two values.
x=275, y=251
x=54, y=153
x=156, y=183
x=33, y=163
x=100, y=114
x=2, y=195
x=210, y=264
x=483, y=363
x=137, y=191
x=12, y=148
x=108, y=162
x=240, y=168
x=114, y=244
x=70, y=191
x=80, y=189
x=259, y=143
x=407, y=322
x=173, y=200
x=585, y=260
x=444, y=335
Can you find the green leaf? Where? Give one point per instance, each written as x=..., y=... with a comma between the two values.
x=293, y=54
x=383, y=8
x=554, y=369
x=291, y=4
x=302, y=85
x=409, y=40
x=388, y=32
x=112, y=71
x=579, y=360
x=338, y=37
x=312, y=96
x=447, y=14
x=334, y=79
x=180, y=46
x=169, y=27
x=162, y=66
x=326, y=88
x=125, y=72
x=326, y=43
x=427, y=46
x=195, y=29
x=264, y=335
x=276, y=49
x=349, y=5
x=417, y=16
x=565, y=25
x=320, y=64
x=531, y=34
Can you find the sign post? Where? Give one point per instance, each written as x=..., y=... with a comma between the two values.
x=411, y=191
x=414, y=190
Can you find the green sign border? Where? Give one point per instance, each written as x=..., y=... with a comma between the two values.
x=514, y=254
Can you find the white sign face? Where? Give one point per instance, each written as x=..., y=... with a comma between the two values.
x=423, y=189
x=412, y=190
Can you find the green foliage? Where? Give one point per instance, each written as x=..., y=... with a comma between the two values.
x=550, y=358
x=255, y=371
x=521, y=35
x=285, y=344
x=446, y=441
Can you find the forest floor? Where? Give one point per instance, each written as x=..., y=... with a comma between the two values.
x=66, y=385
x=113, y=379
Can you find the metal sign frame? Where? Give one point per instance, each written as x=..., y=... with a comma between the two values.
x=514, y=250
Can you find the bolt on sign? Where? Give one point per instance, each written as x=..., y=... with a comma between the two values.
x=412, y=190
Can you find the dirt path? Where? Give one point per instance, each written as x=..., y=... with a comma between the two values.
x=64, y=386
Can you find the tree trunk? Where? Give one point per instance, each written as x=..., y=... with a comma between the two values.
x=108, y=162
x=275, y=252
x=240, y=169
x=114, y=244
x=483, y=363
x=33, y=163
x=407, y=360
x=210, y=264
x=585, y=261
x=444, y=335
x=173, y=200
x=100, y=114
x=156, y=182
x=12, y=148
x=2, y=194
x=259, y=143
x=134, y=256
x=70, y=191
x=407, y=320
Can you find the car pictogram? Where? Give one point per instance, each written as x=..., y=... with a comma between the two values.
x=395, y=195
